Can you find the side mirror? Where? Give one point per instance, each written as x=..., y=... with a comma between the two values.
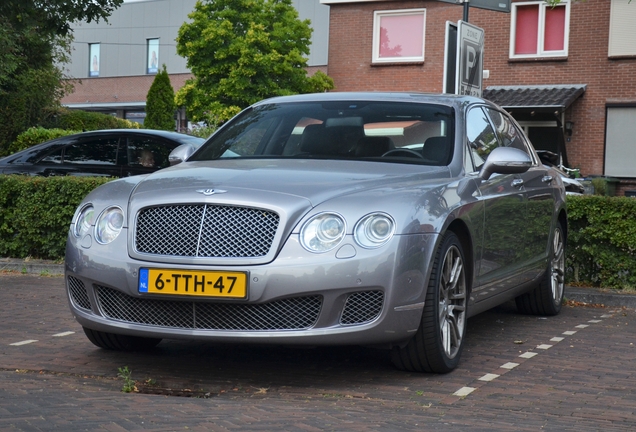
x=505, y=160
x=180, y=154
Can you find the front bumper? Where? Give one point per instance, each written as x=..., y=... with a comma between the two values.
x=347, y=296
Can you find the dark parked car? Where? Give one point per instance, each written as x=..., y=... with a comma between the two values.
x=381, y=219
x=113, y=153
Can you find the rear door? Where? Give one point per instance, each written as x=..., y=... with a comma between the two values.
x=88, y=156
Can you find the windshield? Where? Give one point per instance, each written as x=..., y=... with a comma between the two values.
x=380, y=131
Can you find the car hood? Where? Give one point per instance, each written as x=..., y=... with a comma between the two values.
x=257, y=180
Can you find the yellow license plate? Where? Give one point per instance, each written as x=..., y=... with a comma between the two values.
x=219, y=284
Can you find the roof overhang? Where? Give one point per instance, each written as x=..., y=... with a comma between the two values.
x=97, y=106
x=553, y=99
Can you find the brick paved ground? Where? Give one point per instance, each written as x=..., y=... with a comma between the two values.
x=586, y=381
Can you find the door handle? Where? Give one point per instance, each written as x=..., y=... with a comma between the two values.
x=517, y=183
x=547, y=179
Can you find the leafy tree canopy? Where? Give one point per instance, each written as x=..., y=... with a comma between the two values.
x=242, y=51
x=34, y=41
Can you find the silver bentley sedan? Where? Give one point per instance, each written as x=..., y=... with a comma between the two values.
x=383, y=219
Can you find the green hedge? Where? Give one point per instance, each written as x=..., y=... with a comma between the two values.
x=37, y=135
x=86, y=121
x=602, y=241
x=36, y=212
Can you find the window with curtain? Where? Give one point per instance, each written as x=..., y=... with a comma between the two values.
x=398, y=36
x=539, y=30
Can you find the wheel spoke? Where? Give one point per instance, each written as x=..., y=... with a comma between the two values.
x=557, y=266
x=452, y=301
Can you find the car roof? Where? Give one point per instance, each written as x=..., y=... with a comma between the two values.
x=439, y=98
x=28, y=152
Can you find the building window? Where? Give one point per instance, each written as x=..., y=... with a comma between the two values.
x=93, y=60
x=539, y=30
x=398, y=36
x=621, y=33
x=152, y=65
x=620, y=150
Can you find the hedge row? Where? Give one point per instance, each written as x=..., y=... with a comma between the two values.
x=602, y=241
x=65, y=122
x=35, y=214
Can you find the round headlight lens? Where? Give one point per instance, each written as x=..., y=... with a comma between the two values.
x=374, y=230
x=84, y=221
x=109, y=224
x=323, y=232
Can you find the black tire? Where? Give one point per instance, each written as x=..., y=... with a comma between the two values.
x=117, y=342
x=438, y=342
x=547, y=297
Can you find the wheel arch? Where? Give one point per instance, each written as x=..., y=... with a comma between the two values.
x=460, y=229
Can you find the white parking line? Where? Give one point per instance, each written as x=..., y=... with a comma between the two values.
x=489, y=377
x=509, y=365
x=67, y=333
x=528, y=354
x=464, y=391
x=24, y=342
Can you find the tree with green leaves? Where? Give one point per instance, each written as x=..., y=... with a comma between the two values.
x=160, y=103
x=34, y=41
x=242, y=51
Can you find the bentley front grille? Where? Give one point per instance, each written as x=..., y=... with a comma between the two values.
x=207, y=231
x=298, y=313
x=362, y=307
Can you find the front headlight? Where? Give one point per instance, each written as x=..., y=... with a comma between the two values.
x=374, y=230
x=109, y=224
x=84, y=221
x=323, y=232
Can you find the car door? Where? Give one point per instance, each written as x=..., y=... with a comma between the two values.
x=537, y=187
x=500, y=244
x=87, y=156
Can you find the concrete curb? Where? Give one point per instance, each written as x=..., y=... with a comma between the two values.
x=607, y=297
x=29, y=266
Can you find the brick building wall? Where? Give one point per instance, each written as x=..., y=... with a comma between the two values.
x=608, y=80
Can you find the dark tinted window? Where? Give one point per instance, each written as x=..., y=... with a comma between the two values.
x=98, y=151
x=149, y=152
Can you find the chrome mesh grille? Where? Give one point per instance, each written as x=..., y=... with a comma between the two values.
x=208, y=231
x=362, y=307
x=297, y=313
x=77, y=293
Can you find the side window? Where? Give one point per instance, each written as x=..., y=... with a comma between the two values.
x=102, y=151
x=508, y=134
x=481, y=137
x=149, y=152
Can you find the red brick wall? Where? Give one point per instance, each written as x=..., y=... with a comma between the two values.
x=608, y=80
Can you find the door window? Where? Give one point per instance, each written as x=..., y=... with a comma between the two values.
x=100, y=151
x=148, y=152
x=481, y=138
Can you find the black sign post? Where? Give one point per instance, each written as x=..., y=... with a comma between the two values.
x=494, y=5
